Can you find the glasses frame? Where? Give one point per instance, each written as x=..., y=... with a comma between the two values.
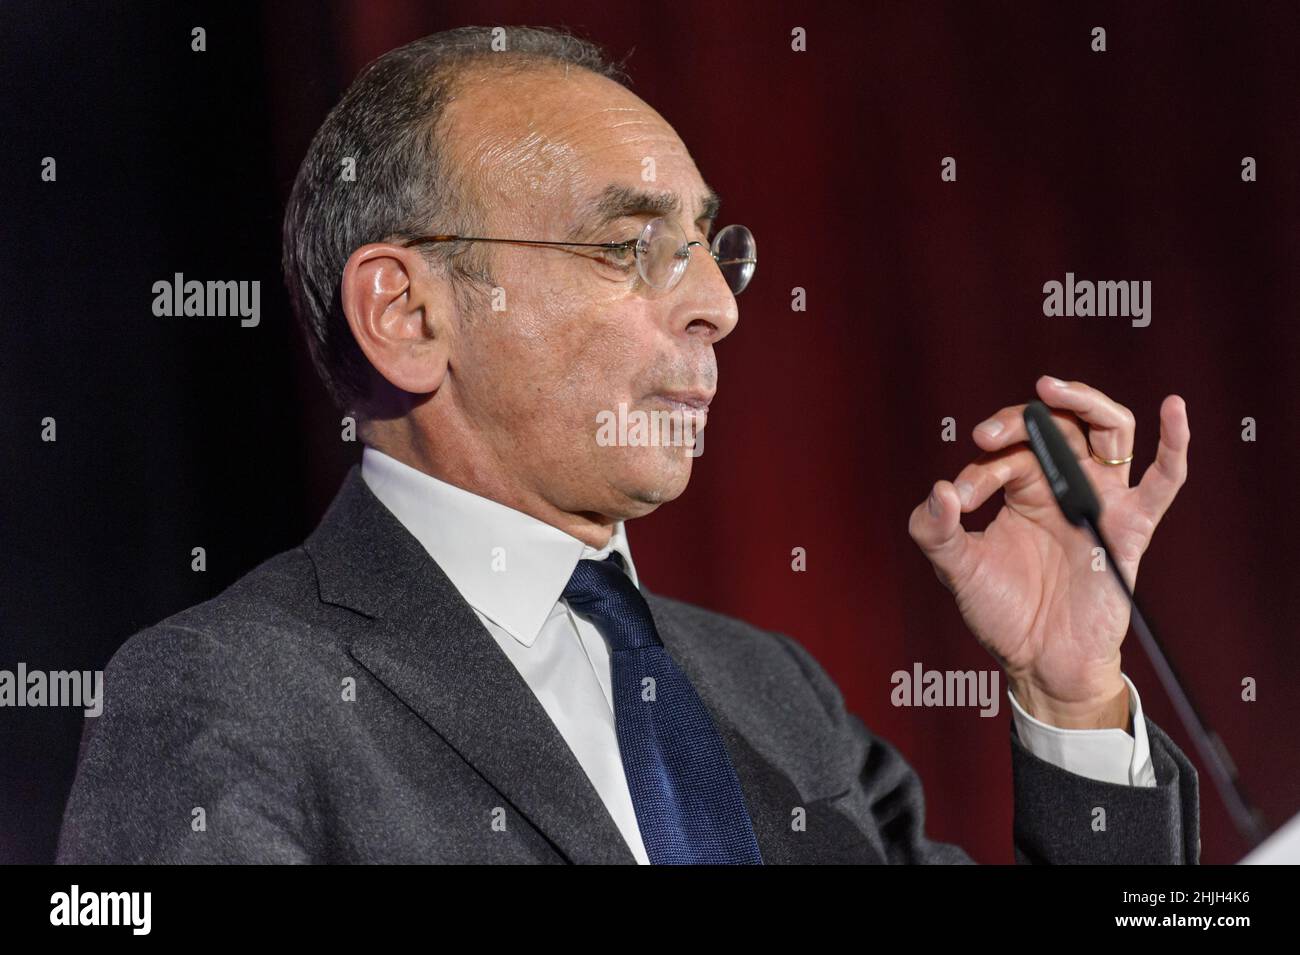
x=635, y=245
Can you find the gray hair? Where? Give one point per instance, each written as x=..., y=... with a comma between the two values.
x=389, y=124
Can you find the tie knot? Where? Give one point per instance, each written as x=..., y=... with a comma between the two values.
x=601, y=591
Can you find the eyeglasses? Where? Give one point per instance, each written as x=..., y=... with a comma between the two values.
x=661, y=252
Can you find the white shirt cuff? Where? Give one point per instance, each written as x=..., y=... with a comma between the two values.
x=1108, y=755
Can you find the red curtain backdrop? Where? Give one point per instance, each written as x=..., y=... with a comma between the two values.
x=924, y=301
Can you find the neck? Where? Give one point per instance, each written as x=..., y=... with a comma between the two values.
x=490, y=481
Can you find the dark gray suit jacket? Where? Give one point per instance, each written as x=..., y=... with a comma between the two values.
x=225, y=737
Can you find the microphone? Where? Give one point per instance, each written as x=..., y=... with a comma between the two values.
x=1072, y=491
x=1080, y=506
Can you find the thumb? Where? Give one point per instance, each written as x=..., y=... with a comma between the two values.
x=935, y=525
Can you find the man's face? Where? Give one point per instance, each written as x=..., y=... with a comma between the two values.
x=579, y=336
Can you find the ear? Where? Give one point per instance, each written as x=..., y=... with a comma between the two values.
x=399, y=314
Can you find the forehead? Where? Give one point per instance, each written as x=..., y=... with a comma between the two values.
x=546, y=145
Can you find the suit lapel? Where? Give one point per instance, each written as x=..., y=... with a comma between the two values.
x=424, y=642
x=767, y=782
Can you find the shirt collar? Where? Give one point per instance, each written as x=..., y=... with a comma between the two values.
x=508, y=565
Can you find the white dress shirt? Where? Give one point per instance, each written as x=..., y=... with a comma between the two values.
x=512, y=568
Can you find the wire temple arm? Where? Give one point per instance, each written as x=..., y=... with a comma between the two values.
x=416, y=240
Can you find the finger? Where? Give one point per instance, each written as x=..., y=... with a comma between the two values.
x=1111, y=426
x=1011, y=469
x=1160, y=483
x=1007, y=428
x=935, y=525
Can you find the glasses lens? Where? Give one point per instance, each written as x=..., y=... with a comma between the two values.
x=737, y=256
x=661, y=253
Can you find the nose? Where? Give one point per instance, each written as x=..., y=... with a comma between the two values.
x=703, y=306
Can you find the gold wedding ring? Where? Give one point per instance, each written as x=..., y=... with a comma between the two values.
x=1098, y=458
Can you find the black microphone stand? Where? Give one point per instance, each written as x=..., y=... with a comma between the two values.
x=1208, y=743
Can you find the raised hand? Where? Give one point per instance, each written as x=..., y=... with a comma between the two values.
x=1027, y=585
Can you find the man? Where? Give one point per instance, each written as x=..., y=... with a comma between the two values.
x=460, y=663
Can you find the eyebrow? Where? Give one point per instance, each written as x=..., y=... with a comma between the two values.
x=616, y=202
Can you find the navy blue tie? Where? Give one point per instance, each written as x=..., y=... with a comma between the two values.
x=687, y=798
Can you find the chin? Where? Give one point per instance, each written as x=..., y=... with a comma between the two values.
x=661, y=481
